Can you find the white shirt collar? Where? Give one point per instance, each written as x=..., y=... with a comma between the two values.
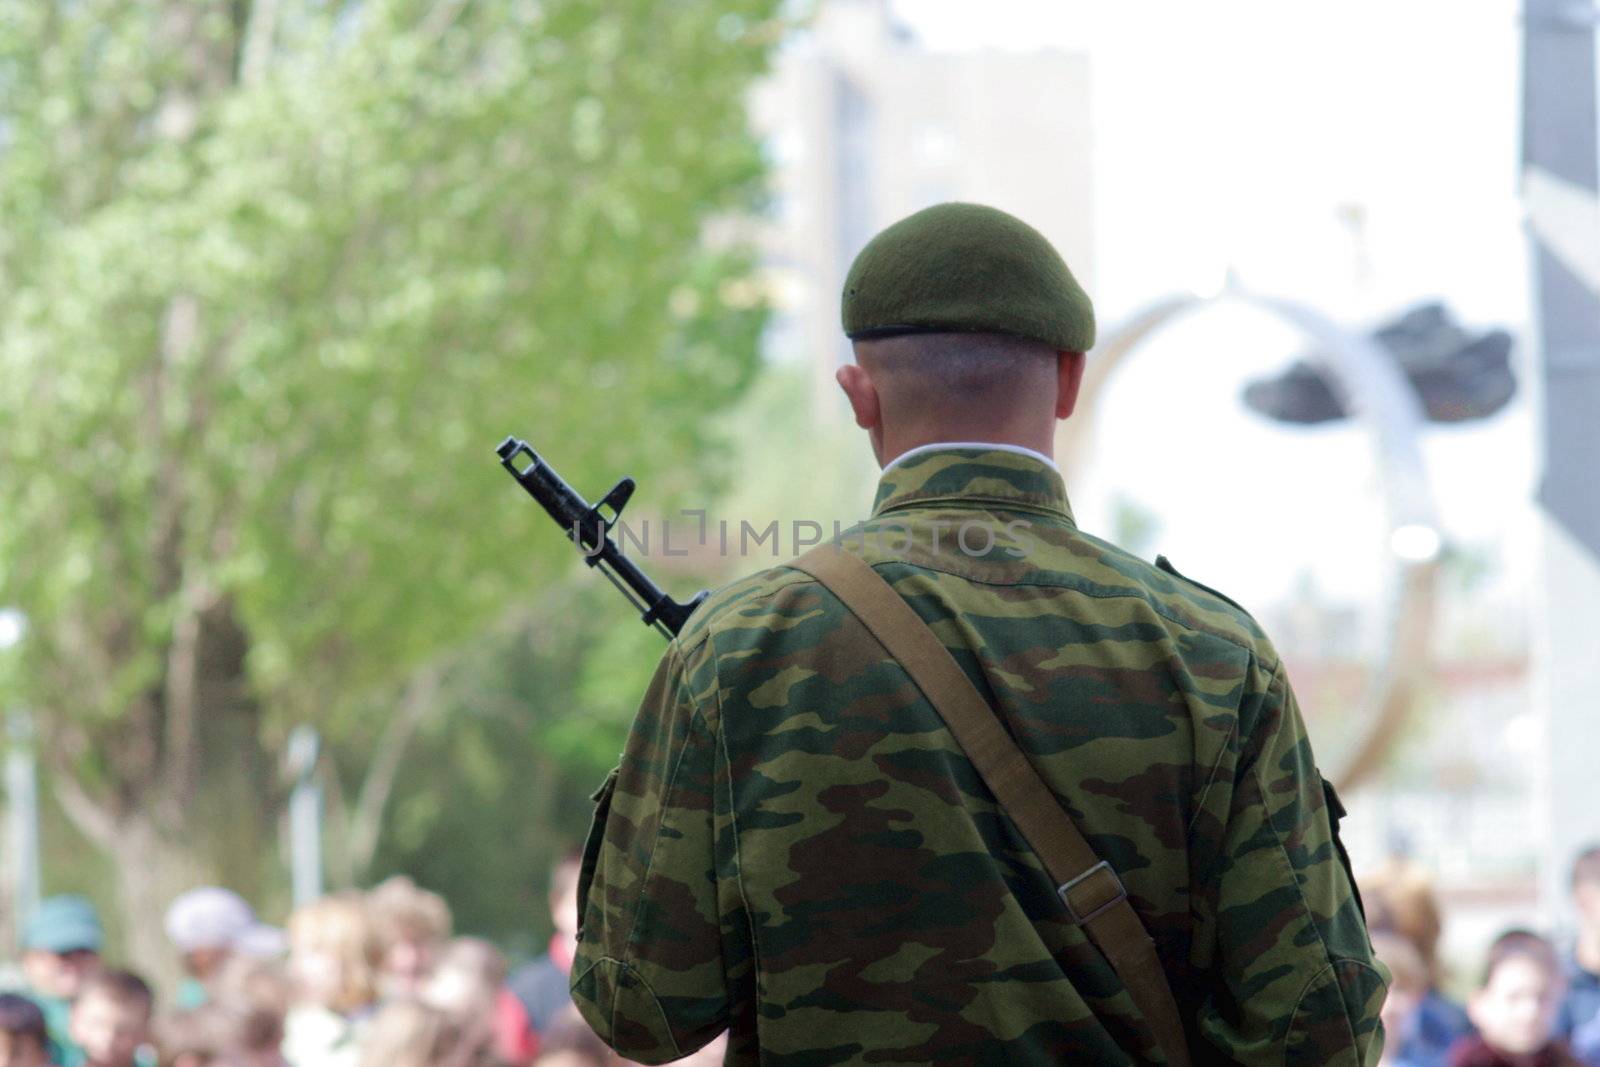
x=992, y=446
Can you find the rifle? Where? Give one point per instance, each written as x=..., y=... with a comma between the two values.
x=588, y=527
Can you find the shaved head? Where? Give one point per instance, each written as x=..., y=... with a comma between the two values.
x=954, y=372
x=920, y=388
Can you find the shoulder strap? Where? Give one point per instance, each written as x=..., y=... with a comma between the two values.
x=1093, y=894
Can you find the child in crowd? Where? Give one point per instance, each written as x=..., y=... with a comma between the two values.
x=1400, y=900
x=256, y=994
x=111, y=1019
x=411, y=926
x=207, y=926
x=568, y=1042
x=411, y=1034
x=542, y=985
x=1515, y=1008
x=333, y=958
x=1407, y=986
x=195, y=1037
x=1578, y=1021
x=61, y=945
x=469, y=985
x=22, y=1033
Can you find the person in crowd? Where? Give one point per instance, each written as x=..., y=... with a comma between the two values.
x=469, y=984
x=61, y=945
x=1584, y=1041
x=1578, y=1019
x=1515, y=1007
x=333, y=963
x=207, y=925
x=569, y=1042
x=1407, y=986
x=195, y=1037
x=111, y=1019
x=542, y=985
x=411, y=925
x=256, y=994
x=24, y=1041
x=408, y=1033
x=1400, y=900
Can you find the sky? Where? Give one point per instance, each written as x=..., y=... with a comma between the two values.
x=1246, y=136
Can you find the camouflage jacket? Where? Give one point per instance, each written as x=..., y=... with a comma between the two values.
x=794, y=848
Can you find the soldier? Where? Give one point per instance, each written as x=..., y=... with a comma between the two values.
x=797, y=848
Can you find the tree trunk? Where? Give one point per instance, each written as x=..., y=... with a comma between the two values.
x=151, y=871
x=211, y=824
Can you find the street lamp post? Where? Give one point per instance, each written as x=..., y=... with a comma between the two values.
x=305, y=816
x=1371, y=385
x=22, y=793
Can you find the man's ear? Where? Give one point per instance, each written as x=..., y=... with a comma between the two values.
x=862, y=394
x=1069, y=379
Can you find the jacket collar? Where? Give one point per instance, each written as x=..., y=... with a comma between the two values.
x=973, y=475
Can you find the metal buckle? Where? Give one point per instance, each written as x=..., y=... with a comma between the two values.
x=1066, y=888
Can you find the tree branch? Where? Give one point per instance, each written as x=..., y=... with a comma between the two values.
x=258, y=34
x=366, y=819
x=440, y=17
x=179, y=700
x=91, y=819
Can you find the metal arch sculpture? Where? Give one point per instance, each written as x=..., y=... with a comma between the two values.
x=1368, y=381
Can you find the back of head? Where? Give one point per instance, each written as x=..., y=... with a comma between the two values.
x=1400, y=898
x=123, y=988
x=403, y=911
x=197, y=1035
x=256, y=994
x=409, y=1034
x=965, y=268
x=967, y=326
x=951, y=379
x=22, y=1019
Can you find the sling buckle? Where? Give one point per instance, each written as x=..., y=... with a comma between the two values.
x=1066, y=891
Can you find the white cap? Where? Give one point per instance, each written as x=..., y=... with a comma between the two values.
x=213, y=917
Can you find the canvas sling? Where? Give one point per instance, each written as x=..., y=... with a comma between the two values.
x=1092, y=892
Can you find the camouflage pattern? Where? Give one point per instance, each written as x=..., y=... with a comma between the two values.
x=794, y=847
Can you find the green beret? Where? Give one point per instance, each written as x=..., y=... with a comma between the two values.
x=966, y=268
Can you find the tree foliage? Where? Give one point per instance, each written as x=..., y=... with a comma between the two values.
x=275, y=277
x=496, y=787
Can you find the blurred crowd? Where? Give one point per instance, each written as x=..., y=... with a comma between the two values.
x=1530, y=1003
x=376, y=979
x=372, y=979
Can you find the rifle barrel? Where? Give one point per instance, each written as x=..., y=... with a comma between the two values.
x=589, y=530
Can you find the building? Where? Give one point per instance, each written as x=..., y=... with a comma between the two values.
x=864, y=126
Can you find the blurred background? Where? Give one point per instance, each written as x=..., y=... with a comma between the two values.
x=277, y=275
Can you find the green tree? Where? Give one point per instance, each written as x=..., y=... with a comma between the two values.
x=496, y=787
x=275, y=276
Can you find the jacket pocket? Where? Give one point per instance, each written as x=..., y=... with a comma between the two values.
x=1336, y=814
x=591, y=845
